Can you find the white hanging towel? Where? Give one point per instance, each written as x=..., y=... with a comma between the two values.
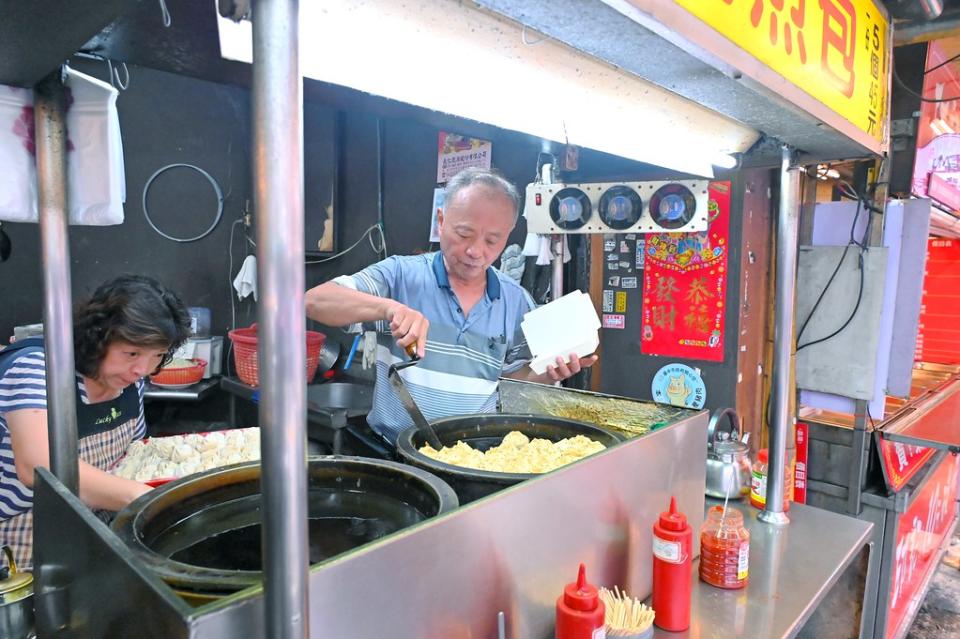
x=245, y=283
x=95, y=175
x=539, y=245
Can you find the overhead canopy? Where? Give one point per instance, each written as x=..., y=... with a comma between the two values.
x=36, y=37
x=456, y=58
x=814, y=75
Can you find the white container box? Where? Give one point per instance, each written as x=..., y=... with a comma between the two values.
x=564, y=326
x=209, y=349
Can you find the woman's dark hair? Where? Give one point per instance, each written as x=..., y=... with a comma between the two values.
x=133, y=309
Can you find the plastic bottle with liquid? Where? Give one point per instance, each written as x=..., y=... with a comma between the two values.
x=580, y=613
x=672, y=569
x=758, y=482
x=724, y=549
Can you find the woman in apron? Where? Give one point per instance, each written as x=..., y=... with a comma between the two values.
x=127, y=330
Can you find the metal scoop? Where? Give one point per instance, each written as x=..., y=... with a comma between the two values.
x=393, y=374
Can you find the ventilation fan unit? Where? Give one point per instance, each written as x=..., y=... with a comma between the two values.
x=678, y=206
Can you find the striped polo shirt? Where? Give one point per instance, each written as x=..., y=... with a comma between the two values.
x=23, y=385
x=465, y=355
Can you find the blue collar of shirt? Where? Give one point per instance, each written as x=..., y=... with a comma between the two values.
x=440, y=272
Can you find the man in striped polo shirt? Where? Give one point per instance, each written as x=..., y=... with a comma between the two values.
x=471, y=310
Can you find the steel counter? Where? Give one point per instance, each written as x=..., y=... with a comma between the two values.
x=791, y=571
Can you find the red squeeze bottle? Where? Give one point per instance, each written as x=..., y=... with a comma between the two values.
x=580, y=611
x=672, y=570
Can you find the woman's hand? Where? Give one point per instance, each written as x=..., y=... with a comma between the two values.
x=136, y=490
x=409, y=327
x=98, y=488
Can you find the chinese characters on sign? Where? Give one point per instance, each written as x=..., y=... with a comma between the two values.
x=684, y=287
x=800, y=468
x=679, y=385
x=835, y=50
x=937, y=337
x=920, y=532
x=458, y=152
x=901, y=462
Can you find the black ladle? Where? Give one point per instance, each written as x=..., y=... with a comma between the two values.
x=393, y=374
x=6, y=246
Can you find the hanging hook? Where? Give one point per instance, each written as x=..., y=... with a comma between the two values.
x=166, y=13
x=115, y=75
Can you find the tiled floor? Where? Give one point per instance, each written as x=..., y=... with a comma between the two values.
x=939, y=616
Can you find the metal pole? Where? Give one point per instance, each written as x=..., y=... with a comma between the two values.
x=278, y=198
x=556, y=280
x=788, y=227
x=50, y=138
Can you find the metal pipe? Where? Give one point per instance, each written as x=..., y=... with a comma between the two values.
x=278, y=199
x=919, y=31
x=788, y=228
x=556, y=279
x=50, y=138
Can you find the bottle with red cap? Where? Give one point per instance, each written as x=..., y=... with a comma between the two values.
x=580, y=612
x=672, y=569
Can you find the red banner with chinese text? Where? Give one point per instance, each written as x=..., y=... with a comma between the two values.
x=901, y=461
x=684, y=287
x=938, y=337
x=800, y=468
x=920, y=532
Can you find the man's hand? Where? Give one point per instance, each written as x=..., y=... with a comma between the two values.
x=409, y=327
x=574, y=365
x=560, y=372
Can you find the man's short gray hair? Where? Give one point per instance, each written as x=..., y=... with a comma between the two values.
x=487, y=177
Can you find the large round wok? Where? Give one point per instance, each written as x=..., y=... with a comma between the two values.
x=484, y=431
x=201, y=534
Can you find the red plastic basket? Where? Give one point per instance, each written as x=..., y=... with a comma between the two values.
x=245, y=353
x=180, y=376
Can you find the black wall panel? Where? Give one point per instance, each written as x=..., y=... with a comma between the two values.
x=388, y=152
x=164, y=119
x=630, y=373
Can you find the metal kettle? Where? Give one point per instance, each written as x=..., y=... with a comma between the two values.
x=728, y=458
x=16, y=601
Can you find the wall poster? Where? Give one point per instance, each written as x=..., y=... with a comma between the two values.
x=684, y=287
x=456, y=152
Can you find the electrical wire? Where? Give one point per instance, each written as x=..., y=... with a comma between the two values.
x=903, y=85
x=381, y=247
x=853, y=314
x=233, y=304
x=380, y=182
x=862, y=245
x=233, y=311
x=942, y=64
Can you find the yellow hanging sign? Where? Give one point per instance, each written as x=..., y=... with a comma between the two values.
x=835, y=50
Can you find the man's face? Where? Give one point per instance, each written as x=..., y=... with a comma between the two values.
x=474, y=228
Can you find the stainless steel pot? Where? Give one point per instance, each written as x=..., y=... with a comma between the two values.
x=16, y=601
